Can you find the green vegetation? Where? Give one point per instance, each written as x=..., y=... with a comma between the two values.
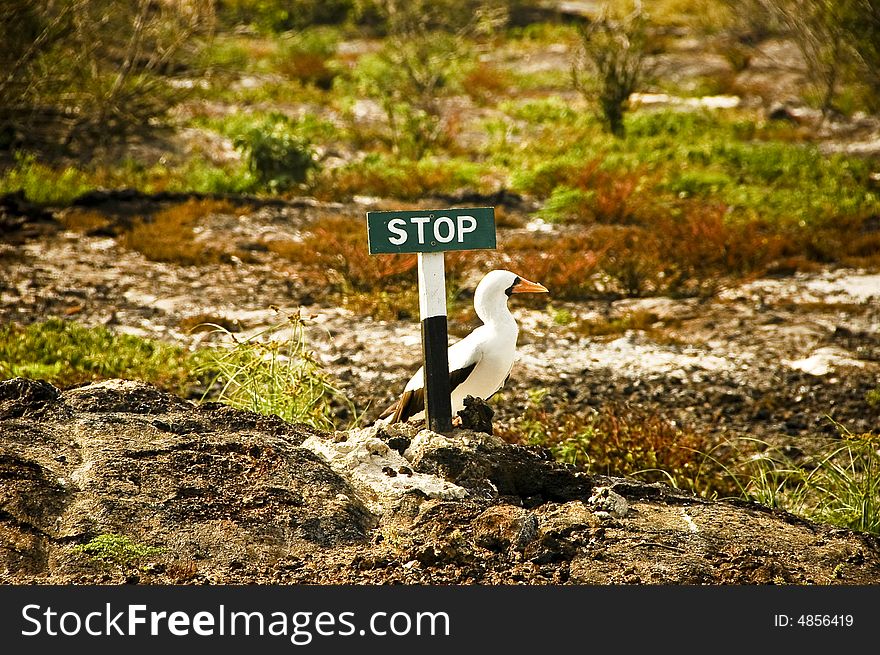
x=116, y=549
x=839, y=485
x=68, y=354
x=273, y=372
x=44, y=184
x=277, y=157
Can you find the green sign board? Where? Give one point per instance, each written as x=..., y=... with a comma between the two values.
x=431, y=230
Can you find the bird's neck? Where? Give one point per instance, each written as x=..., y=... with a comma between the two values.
x=497, y=315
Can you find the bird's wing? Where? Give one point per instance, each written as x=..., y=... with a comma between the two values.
x=463, y=358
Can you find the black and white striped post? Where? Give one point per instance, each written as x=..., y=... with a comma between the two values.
x=435, y=340
x=431, y=232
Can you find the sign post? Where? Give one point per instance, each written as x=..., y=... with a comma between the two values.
x=430, y=233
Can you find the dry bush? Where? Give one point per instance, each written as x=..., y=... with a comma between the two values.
x=564, y=264
x=702, y=249
x=169, y=236
x=427, y=45
x=853, y=241
x=307, y=57
x=631, y=259
x=838, y=40
x=93, y=69
x=611, y=64
x=308, y=67
x=688, y=249
x=485, y=82
x=620, y=440
x=183, y=571
x=615, y=195
x=85, y=221
x=335, y=252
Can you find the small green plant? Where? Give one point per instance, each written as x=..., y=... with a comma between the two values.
x=561, y=316
x=277, y=156
x=274, y=372
x=116, y=549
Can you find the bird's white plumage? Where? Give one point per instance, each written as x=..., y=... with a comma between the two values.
x=491, y=347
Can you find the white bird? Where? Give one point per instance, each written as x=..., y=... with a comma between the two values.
x=479, y=364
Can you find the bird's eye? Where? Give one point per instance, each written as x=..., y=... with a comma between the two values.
x=509, y=290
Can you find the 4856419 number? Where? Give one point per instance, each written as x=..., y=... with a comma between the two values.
x=825, y=620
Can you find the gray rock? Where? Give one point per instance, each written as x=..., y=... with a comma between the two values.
x=505, y=526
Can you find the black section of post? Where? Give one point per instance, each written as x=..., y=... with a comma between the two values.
x=438, y=400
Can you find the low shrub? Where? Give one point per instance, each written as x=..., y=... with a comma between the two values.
x=277, y=156
x=307, y=56
x=617, y=440
x=170, y=236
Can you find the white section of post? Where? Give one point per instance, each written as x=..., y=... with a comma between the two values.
x=432, y=285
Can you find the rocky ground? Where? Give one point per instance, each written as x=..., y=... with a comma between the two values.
x=183, y=493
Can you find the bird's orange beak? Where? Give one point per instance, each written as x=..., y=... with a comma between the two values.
x=524, y=286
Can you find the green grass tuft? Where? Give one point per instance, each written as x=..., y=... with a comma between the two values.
x=116, y=549
x=273, y=372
